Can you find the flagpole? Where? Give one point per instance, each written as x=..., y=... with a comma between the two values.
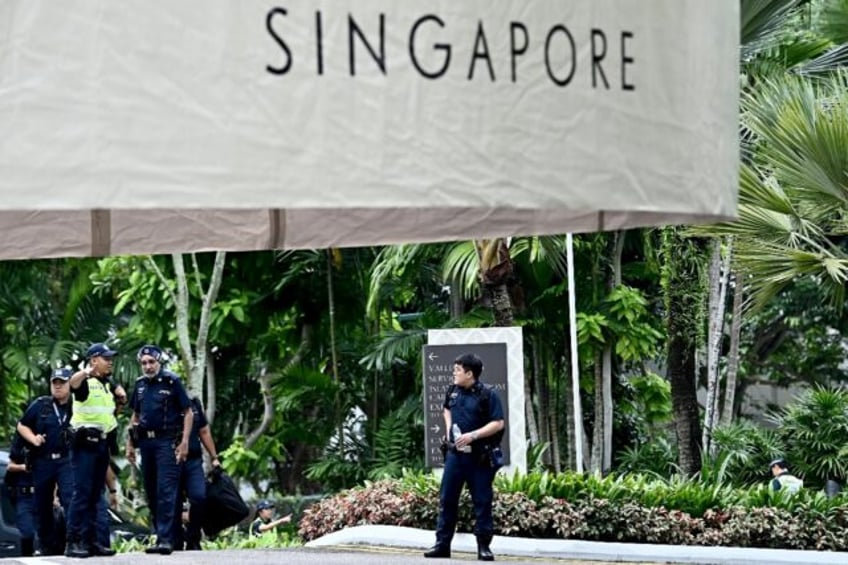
x=575, y=367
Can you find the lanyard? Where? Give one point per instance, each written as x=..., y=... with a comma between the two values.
x=60, y=417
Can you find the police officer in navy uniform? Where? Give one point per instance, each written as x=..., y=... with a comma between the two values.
x=45, y=426
x=193, y=480
x=469, y=457
x=161, y=423
x=20, y=486
x=94, y=424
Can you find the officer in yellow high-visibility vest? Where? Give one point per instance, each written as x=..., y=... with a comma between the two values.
x=94, y=426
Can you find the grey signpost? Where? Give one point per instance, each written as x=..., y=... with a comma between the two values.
x=438, y=376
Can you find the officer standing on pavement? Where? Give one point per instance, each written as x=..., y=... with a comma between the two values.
x=45, y=426
x=474, y=417
x=161, y=423
x=20, y=486
x=193, y=480
x=94, y=427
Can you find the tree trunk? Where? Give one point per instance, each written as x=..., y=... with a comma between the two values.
x=553, y=424
x=570, y=424
x=606, y=399
x=733, y=354
x=684, y=399
x=683, y=286
x=596, y=463
x=716, y=313
x=501, y=305
x=533, y=432
x=211, y=391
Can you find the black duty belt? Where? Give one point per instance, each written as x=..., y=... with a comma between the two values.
x=144, y=433
x=26, y=490
x=90, y=434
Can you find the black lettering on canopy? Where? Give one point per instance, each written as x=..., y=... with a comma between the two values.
x=598, y=56
x=354, y=29
x=445, y=47
x=478, y=54
x=625, y=60
x=319, y=39
x=514, y=49
x=564, y=30
x=269, y=25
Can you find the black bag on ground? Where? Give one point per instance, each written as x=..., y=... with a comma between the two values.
x=224, y=505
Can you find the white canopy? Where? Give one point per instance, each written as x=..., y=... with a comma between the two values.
x=152, y=126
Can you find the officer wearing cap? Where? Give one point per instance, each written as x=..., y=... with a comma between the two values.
x=161, y=423
x=94, y=427
x=45, y=427
x=263, y=522
x=783, y=479
x=193, y=480
x=19, y=484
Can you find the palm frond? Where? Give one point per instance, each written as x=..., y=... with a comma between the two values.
x=461, y=265
x=761, y=24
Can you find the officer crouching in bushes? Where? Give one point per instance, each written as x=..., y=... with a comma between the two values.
x=474, y=417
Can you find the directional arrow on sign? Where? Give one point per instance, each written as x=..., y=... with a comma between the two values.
x=435, y=429
x=432, y=356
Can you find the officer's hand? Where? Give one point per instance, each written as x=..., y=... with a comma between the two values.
x=182, y=451
x=120, y=394
x=130, y=453
x=39, y=440
x=463, y=440
x=216, y=463
x=113, y=500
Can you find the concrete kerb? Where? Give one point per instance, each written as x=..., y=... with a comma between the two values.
x=411, y=538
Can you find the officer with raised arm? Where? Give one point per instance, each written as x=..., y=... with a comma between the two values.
x=94, y=426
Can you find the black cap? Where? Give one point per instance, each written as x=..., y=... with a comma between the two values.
x=99, y=350
x=60, y=375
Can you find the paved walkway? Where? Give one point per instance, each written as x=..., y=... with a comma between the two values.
x=410, y=538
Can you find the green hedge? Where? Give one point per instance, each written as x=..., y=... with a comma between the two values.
x=587, y=507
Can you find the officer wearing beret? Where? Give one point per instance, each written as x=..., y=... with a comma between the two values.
x=161, y=423
x=45, y=426
x=474, y=417
x=94, y=426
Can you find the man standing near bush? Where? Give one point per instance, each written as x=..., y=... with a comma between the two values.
x=474, y=421
x=783, y=479
x=161, y=422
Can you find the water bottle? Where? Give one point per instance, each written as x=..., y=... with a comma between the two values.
x=456, y=432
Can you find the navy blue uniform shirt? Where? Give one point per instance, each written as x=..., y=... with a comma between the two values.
x=200, y=422
x=48, y=417
x=464, y=405
x=160, y=402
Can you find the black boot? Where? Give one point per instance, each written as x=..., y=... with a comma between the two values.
x=438, y=551
x=101, y=551
x=76, y=549
x=483, y=551
x=27, y=547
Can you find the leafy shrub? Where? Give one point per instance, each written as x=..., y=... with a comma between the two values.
x=624, y=508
